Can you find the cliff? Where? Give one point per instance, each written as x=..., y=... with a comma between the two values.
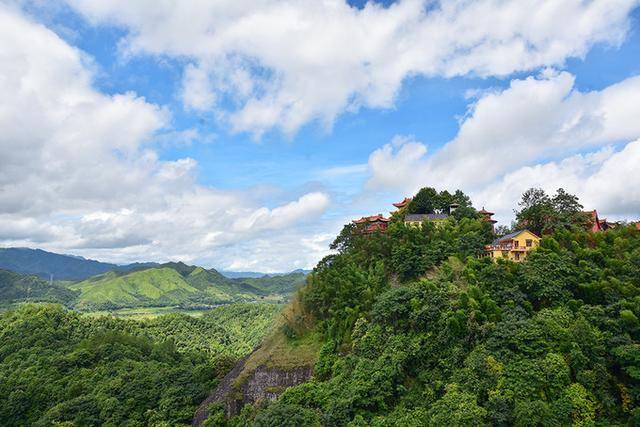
x=278, y=364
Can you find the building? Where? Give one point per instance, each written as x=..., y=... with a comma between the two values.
x=596, y=224
x=486, y=216
x=416, y=220
x=514, y=246
x=403, y=203
x=372, y=224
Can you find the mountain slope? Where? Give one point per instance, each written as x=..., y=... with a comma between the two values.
x=155, y=286
x=174, y=284
x=62, y=267
x=18, y=288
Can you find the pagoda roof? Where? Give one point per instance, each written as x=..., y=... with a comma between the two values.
x=373, y=218
x=403, y=203
x=485, y=212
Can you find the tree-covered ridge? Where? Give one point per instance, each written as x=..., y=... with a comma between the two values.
x=166, y=285
x=16, y=288
x=418, y=331
x=59, y=366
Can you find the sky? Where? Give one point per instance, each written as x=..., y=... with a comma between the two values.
x=242, y=135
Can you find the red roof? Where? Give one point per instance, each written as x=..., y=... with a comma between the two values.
x=638, y=225
x=403, y=203
x=373, y=218
x=485, y=212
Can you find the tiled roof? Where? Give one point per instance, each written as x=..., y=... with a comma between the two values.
x=403, y=203
x=373, y=218
x=509, y=236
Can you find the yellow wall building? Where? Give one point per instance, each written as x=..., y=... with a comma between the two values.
x=514, y=246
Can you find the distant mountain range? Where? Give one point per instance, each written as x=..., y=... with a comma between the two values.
x=62, y=267
x=73, y=267
x=93, y=285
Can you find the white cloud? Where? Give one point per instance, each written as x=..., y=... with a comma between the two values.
x=524, y=136
x=78, y=172
x=287, y=63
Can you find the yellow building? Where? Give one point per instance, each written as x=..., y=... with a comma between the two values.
x=514, y=246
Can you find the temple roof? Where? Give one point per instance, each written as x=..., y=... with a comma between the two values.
x=373, y=218
x=485, y=212
x=403, y=203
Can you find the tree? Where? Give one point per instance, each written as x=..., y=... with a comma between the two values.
x=536, y=211
x=424, y=202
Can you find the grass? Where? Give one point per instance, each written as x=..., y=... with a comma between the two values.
x=279, y=352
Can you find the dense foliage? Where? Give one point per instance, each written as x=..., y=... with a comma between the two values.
x=166, y=285
x=60, y=366
x=543, y=214
x=420, y=332
x=18, y=288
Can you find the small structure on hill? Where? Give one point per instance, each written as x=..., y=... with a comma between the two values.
x=371, y=224
x=514, y=246
x=403, y=203
x=486, y=216
x=596, y=224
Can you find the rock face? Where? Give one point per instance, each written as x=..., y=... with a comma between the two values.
x=262, y=384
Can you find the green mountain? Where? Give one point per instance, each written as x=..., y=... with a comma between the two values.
x=177, y=284
x=418, y=328
x=19, y=288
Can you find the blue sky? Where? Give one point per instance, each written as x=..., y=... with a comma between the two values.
x=449, y=99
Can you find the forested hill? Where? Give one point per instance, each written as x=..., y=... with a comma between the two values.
x=175, y=284
x=418, y=330
x=62, y=267
x=16, y=288
x=170, y=284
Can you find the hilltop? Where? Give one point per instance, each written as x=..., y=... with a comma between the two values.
x=414, y=325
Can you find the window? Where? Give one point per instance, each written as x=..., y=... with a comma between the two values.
x=517, y=256
x=529, y=243
x=516, y=243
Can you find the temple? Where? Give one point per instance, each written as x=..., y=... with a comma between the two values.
x=371, y=224
x=486, y=216
x=403, y=203
x=596, y=224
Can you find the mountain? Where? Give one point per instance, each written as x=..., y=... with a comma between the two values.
x=177, y=284
x=16, y=287
x=417, y=326
x=62, y=267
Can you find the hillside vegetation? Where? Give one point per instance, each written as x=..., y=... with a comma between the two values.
x=177, y=284
x=59, y=366
x=418, y=331
x=16, y=288
x=167, y=285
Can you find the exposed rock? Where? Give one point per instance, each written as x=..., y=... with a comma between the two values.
x=262, y=384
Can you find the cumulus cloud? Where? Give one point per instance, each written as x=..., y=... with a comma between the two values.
x=78, y=170
x=524, y=136
x=283, y=64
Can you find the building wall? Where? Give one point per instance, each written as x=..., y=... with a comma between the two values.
x=518, y=255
